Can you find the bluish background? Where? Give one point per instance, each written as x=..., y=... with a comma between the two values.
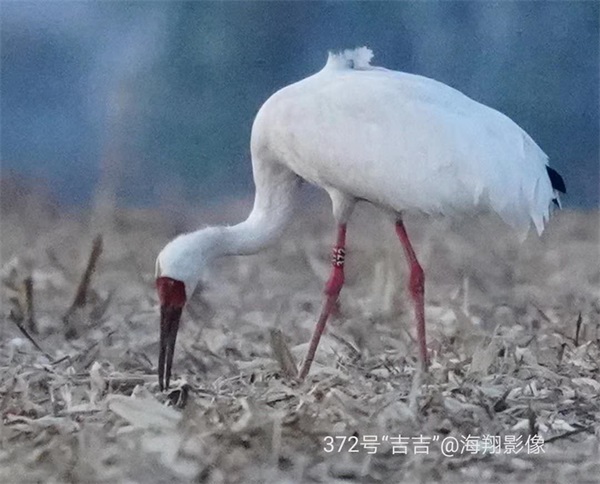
x=158, y=98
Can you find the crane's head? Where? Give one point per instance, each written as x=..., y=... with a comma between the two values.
x=177, y=276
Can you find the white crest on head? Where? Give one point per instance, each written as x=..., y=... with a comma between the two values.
x=358, y=59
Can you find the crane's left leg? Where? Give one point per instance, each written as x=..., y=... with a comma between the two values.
x=332, y=291
x=416, y=287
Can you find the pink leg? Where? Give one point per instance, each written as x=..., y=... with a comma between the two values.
x=332, y=291
x=417, y=289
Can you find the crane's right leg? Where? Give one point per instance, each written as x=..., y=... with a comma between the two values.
x=332, y=291
x=416, y=287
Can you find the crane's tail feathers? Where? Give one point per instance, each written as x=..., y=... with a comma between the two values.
x=558, y=184
x=556, y=180
x=358, y=59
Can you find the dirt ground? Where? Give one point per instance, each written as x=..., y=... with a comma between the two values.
x=514, y=331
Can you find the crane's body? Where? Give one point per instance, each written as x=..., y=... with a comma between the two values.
x=400, y=141
x=404, y=142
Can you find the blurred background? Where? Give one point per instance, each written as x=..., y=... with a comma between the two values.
x=154, y=101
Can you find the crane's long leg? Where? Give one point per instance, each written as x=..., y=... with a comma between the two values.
x=332, y=291
x=416, y=287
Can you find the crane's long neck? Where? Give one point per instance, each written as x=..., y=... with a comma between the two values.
x=276, y=192
x=261, y=229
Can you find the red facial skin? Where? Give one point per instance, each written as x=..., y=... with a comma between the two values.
x=171, y=294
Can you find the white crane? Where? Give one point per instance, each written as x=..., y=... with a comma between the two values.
x=400, y=141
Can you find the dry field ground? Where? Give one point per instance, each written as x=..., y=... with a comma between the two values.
x=514, y=331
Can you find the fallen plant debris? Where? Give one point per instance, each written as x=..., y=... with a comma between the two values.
x=505, y=359
x=282, y=354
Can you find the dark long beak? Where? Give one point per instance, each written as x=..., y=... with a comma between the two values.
x=169, y=325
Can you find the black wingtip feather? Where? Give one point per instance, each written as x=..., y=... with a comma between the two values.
x=556, y=180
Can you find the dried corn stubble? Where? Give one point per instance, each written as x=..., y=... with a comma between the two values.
x=73, y=318
x=494, y=372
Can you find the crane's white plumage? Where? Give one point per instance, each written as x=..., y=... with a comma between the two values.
x=405, y=142
x=400, y=141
